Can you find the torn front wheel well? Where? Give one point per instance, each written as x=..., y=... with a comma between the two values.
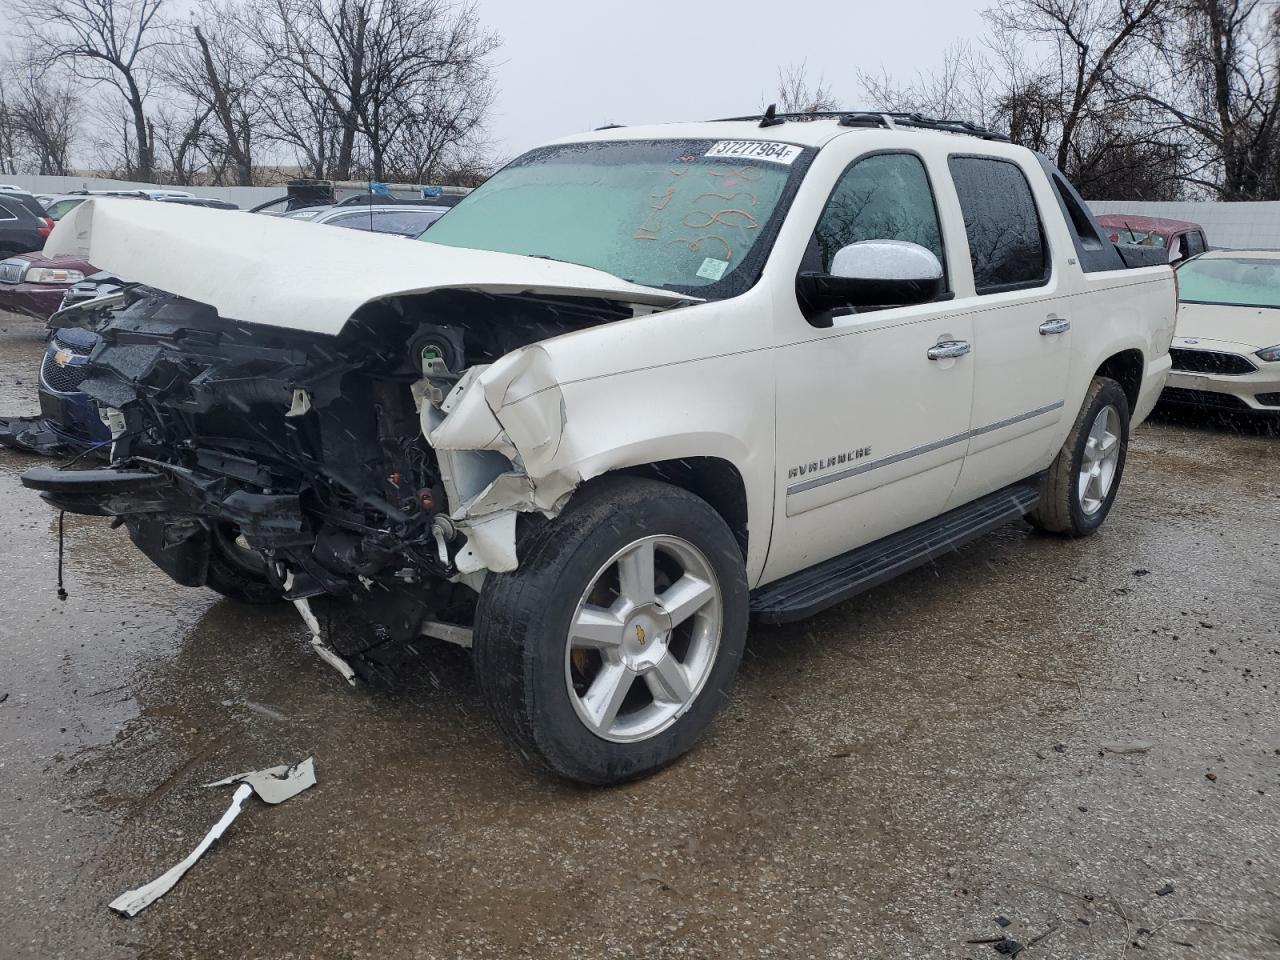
x=713, y=479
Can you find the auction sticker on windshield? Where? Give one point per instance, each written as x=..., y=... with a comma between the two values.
x=783, y=153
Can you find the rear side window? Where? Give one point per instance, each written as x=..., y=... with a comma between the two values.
x=881, y=197
x=1006, y=240
x=6, y=213
x=1195, y=243
x=1081, y=226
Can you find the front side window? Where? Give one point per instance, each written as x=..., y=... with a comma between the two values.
x=1231, y=282
x=881, y=197
x=696, y=216
x=1006, y=241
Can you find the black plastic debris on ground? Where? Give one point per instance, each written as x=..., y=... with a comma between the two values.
x=1003, y=921
x=1009, y=947
x=1165, y=890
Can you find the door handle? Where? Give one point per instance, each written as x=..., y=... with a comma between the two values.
x=948, y=350
x=1054, y=325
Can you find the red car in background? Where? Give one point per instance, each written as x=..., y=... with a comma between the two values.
x=33, y=284
x=1181, y=238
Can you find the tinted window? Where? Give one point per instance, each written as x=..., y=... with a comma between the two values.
x=1195, y=243
x=1076, y=216
x=6, y=213
x=885, y=197
x=1006, y=243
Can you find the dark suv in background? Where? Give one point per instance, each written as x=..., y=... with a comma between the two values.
x=24, y=226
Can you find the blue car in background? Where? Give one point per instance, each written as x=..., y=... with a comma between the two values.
x=70, y=414
x=68, y=423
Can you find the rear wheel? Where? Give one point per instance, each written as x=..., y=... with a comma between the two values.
x=237, y=571
x=1080, y=486
x=610, y=650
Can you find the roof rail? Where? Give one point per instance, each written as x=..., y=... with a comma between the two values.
x=869, y=118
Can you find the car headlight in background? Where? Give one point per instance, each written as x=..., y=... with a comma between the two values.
x=1269, y=353
x=53, y=275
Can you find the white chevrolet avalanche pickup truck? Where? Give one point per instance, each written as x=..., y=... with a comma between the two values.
x=641, y=386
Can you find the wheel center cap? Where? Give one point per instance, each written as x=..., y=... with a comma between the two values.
x=644, y=638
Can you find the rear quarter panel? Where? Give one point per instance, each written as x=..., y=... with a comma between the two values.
x=1123, y=310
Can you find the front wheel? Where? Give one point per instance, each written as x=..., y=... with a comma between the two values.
x=610, y=650
x=236, y=570
x=1080, y=486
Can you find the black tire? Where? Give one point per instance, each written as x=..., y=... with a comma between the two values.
x=1060, y=509
x=238, y=573
x=523, y=620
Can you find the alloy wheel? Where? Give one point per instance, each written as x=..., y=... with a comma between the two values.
x=1100, y=460
x=643, y=639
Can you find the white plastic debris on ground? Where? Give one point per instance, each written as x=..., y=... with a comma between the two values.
x=272, y=785
x=275, y=784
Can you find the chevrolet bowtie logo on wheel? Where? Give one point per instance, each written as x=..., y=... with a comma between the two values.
x=640, y=634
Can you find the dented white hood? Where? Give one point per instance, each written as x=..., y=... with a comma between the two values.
x=289, y=273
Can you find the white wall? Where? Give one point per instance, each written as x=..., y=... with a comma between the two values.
x=243, y=197
x=1236, y=225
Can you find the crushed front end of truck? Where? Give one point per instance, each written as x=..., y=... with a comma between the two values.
x=387, y=465
x=284, y=429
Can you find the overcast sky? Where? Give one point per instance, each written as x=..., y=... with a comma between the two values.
x=571, y=65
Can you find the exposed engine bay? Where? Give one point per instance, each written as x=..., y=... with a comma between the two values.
x=303, y=457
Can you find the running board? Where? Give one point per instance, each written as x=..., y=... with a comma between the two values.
x=815, y=588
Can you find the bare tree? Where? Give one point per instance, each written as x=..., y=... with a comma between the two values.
x=1055, y=75
x=180, y=134
x=356, y=74
x=8, y=124
x=104, y=42
x=39, y=115
x=46, y=113
x=1089, y=43
x=966, y=87
x=214, y=65
x=797, y=93
x=438, y=133
x=1221, y=87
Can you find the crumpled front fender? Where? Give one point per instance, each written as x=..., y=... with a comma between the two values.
x=497, y=436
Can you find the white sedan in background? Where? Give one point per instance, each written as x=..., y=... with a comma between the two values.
x=1226, y=350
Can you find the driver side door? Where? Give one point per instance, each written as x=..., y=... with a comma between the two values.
x=871, y=430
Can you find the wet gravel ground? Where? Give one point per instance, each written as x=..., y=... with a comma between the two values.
x=890, y=778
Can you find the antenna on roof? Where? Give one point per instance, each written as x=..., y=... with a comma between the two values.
x=771, y=118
